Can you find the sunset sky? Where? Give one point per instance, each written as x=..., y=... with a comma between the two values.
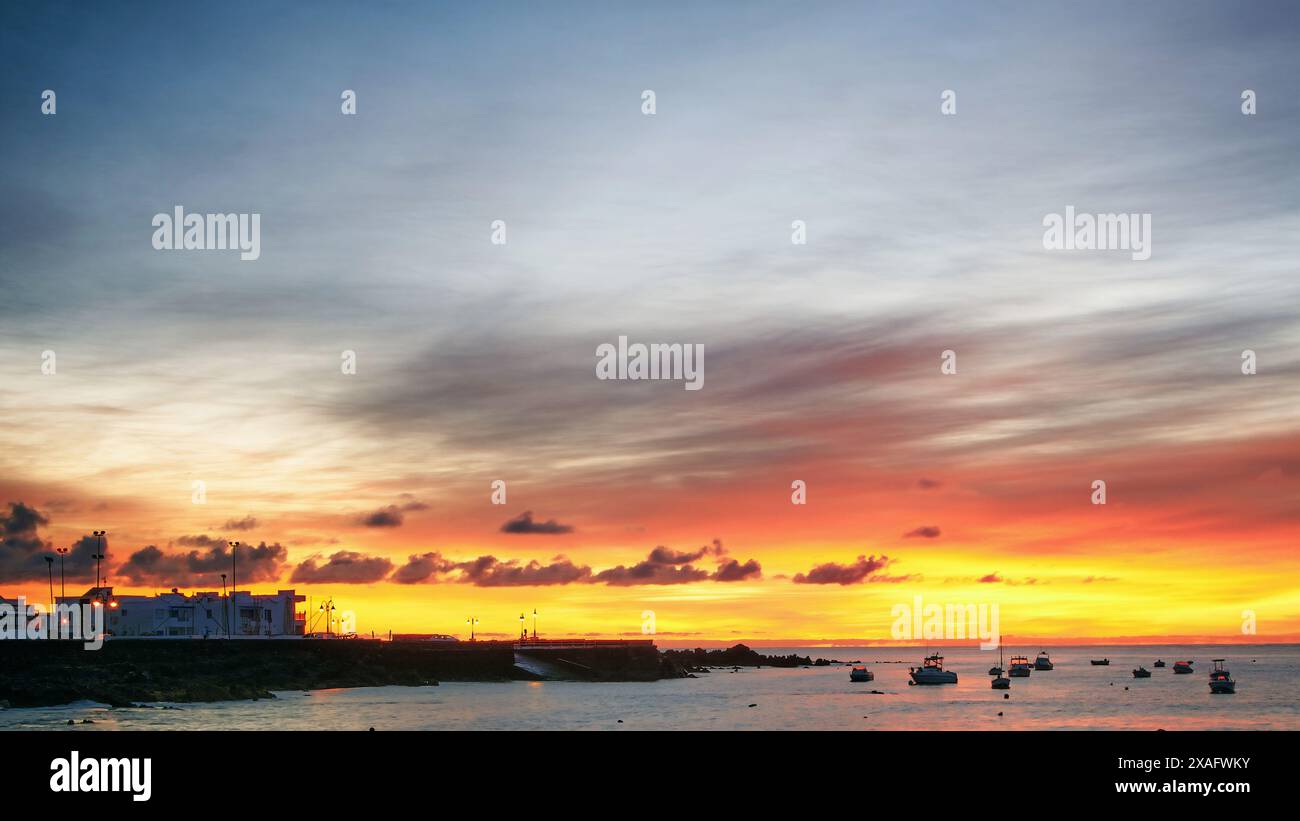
x=476, y=362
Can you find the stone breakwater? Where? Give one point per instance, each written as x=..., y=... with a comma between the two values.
x=129, y=671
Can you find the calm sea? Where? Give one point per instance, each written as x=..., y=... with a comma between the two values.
x=1075, y=695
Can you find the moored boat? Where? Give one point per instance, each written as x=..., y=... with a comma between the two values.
x=1141, y=672
x=931, y=672
x=1100, y=662
x=1183, y=666
x=1020, y=667
x=860, y=673
x=1159, y=663
x=1043, y=662
x=1001, y=682
x=1221, y=680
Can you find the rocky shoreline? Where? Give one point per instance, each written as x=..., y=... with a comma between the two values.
x=127, y=673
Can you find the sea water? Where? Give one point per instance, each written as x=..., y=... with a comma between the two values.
x=1075, y=695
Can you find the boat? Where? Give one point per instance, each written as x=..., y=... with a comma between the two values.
x=860, y=673
x=931, y=672
x=1001, y=682
x=1183, y=666
x=995, y=671
x=1020, y=667
x=1042, y=662
x=1141, y=672
x=1159, y=663
x=1221, y=680
x=1100, y=662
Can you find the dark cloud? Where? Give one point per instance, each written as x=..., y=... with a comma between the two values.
x=992, y=578
x=733, y=571
x=343, y=567
x=390, y=515
x=23, y=551
x=203, y=568
x=246, y=523
x=488, y=571
x=523, y=523
x=423, y=567
x=665, y=566
x=832, y=573
x=925, y=532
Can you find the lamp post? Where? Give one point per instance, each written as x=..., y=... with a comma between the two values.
x=471, y=621
x=63, y=587
x=49, y=562
x=99, y=555
x=523, y=631
x=234, y=587
x=225, y=613
x=534, y=624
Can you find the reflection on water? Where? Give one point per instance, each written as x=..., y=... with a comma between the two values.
x=1073, y=696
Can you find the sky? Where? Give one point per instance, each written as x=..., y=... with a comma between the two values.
x=475, y=361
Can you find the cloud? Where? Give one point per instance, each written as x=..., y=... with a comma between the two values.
x=390, y=515
x=23, y=551
x=246, y=523
x=488, y=571
x=992, y=578
x=343, y=567
x=731, y=570
x=832, y=573
x=203, y=568
x=928, y=484
x=423, y=567
x=665, y=566
x=925, y=532
x=523, y=523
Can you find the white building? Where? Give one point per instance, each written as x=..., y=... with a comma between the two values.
x=204, y=614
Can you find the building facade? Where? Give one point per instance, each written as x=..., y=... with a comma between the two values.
x=202, y=615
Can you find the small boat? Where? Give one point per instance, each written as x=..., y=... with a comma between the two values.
x=860, y=673
x=931, y=672
x=1042, y=662
x=1183, y=666
x=995, y=671
x=1141, y=672
x=1020, y=667
x=1221, y=680
x=1100, y=662
x=1159, y=663
x=1001, y=682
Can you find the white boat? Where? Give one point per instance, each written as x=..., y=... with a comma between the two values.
x=1020, y=667
x=931, y=672
x=1221, y=680
x=860, y=673
x=1001, y=682
x=1042, y=662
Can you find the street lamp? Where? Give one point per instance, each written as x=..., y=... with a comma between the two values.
x=234, y=588
x=49, y=562
x=99, y=555
x=534, y=624
x=63, y=588
x=523, y=631
x=225, y=611
x=471, y=621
